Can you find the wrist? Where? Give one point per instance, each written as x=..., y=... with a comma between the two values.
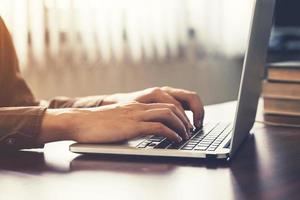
x=56, y=125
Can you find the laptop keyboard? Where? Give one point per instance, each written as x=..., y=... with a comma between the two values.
x=206, y=139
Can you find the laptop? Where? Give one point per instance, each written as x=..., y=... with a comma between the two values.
x=217, y=140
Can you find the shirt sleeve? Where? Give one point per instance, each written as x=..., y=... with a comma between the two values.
x=20, y=126
x=80, y=102
x=20, y=114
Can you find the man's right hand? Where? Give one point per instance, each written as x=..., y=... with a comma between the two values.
x=118, y=122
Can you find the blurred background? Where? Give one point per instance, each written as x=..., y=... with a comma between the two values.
x=285, y=38
x=77, y=48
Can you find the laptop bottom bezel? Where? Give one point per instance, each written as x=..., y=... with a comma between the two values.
x=223, y=153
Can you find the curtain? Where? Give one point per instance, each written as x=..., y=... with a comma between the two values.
x=116, y=32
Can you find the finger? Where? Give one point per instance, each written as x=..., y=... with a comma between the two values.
x=157, y=128
x=166, y=98
x=167, y=117
x=191, y=101
x=196, y=107
x=175, y=109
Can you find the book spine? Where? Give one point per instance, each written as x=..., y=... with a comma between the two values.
x=282, y=106
x=281, y=90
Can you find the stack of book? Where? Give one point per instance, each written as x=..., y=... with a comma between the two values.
x=281, y=94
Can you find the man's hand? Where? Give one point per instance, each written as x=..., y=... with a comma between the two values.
x=117, y=122
x=126, y=116
x=182, y=99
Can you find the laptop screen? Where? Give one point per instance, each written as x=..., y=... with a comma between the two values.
x=233, y=44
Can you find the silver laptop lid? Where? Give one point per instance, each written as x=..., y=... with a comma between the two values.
x=254, y=61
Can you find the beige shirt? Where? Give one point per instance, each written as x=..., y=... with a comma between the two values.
x=21, y=114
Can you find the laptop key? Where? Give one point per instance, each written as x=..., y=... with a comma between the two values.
x=176, y=145
x=202, y=146
x=198, y=148
x=144, y=144
x=193, y=142
x=189, y=145
x=164, y=144
x=206, y=142
x=153, y=144
x=211, y=149
x=187, y=148
x=155, y=139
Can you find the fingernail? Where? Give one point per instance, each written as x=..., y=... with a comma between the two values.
x=179, y=139
x=191, y=130
x=187, y=135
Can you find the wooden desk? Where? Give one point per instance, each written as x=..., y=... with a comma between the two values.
x=266, y=167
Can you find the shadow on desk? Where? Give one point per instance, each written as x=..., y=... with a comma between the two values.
x=24, y=162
